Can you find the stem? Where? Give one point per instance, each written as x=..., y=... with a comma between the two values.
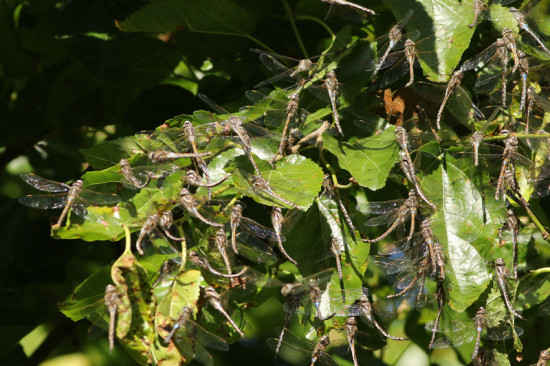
x=263, y=45
x=294, y=28
x=519, y=136
x=322, y=24
x=540, y=271
x=128, y=243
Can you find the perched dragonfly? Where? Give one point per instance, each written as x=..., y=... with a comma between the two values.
x=190, y=135
x=394, y=38
x=512, y=222
x=437, y=257
x=131, y=175
x=507, y=176
x=161, y=156
x=330, y=191
x=298, y=351
x=410, y=269
x=364, y=309
x=407, y=164
x=188, y=334
x=440, y=299
x=235, y=125
x=261, y=186
x=281, y=72
x=501, y=274
x=112, y=302
x=300, y=295
x=544, y=357
x=277, y=222
x=400, y=62
x=336, y=248
x=203, y=263
x=221, y=244
x=190, y=204
x=194, y=179
x=454, y=83
x=164, y=220
x=350, y=4
x=276, y=108
x=522, y=23
x=458, y=332
x=237, y=219
x=394, y=212
x=71, y=197
x=496, y=56
x=214, y=299
x=479, y=8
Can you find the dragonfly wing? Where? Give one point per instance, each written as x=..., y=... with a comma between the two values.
x=204, y=337
x=259, y=230
x=99, y=198
x=44, y=202
x=255, y=250
x=44, y=184
x=387, y=219
x=502, y=333
x=380, y=208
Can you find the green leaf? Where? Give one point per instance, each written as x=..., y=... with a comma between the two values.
x=296, y=179
x=207, y=16
x=368, y=160
x=466, y=237
x=447, y=22
x=533, y=289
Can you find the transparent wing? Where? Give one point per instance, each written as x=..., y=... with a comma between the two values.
x=255, y=250
x=259, y=230
x=98, y=198
x=44, y=202
x=44, y=184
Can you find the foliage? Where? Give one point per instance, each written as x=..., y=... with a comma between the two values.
x=101, y=71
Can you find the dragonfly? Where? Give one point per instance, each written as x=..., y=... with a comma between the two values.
x=215, y=300
x=191, y=136
x=352, y=335
x=203, y=263
x=112, y=302
x=400, y=62
x=276, y=108
x=71, y=197
x=238, y=220
x=259, y=186
x=440, y=299
x=295, y=294
x=544, y=357
x=458, y=332
x=364, y=308
x=501, y=274
x=479, y=7
x=496, y=56
x=189, y=203
x=407, y=164
x=277, y=222
x=394, y=212
x=298, y=351
x=394, y=37
x=410, y=270
x=512, y=223
x=281, y=72
x=521, y=18
x=453, y=85
x=187, y=334
x=236, y=125
x=164, y=220
x=329, y=190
